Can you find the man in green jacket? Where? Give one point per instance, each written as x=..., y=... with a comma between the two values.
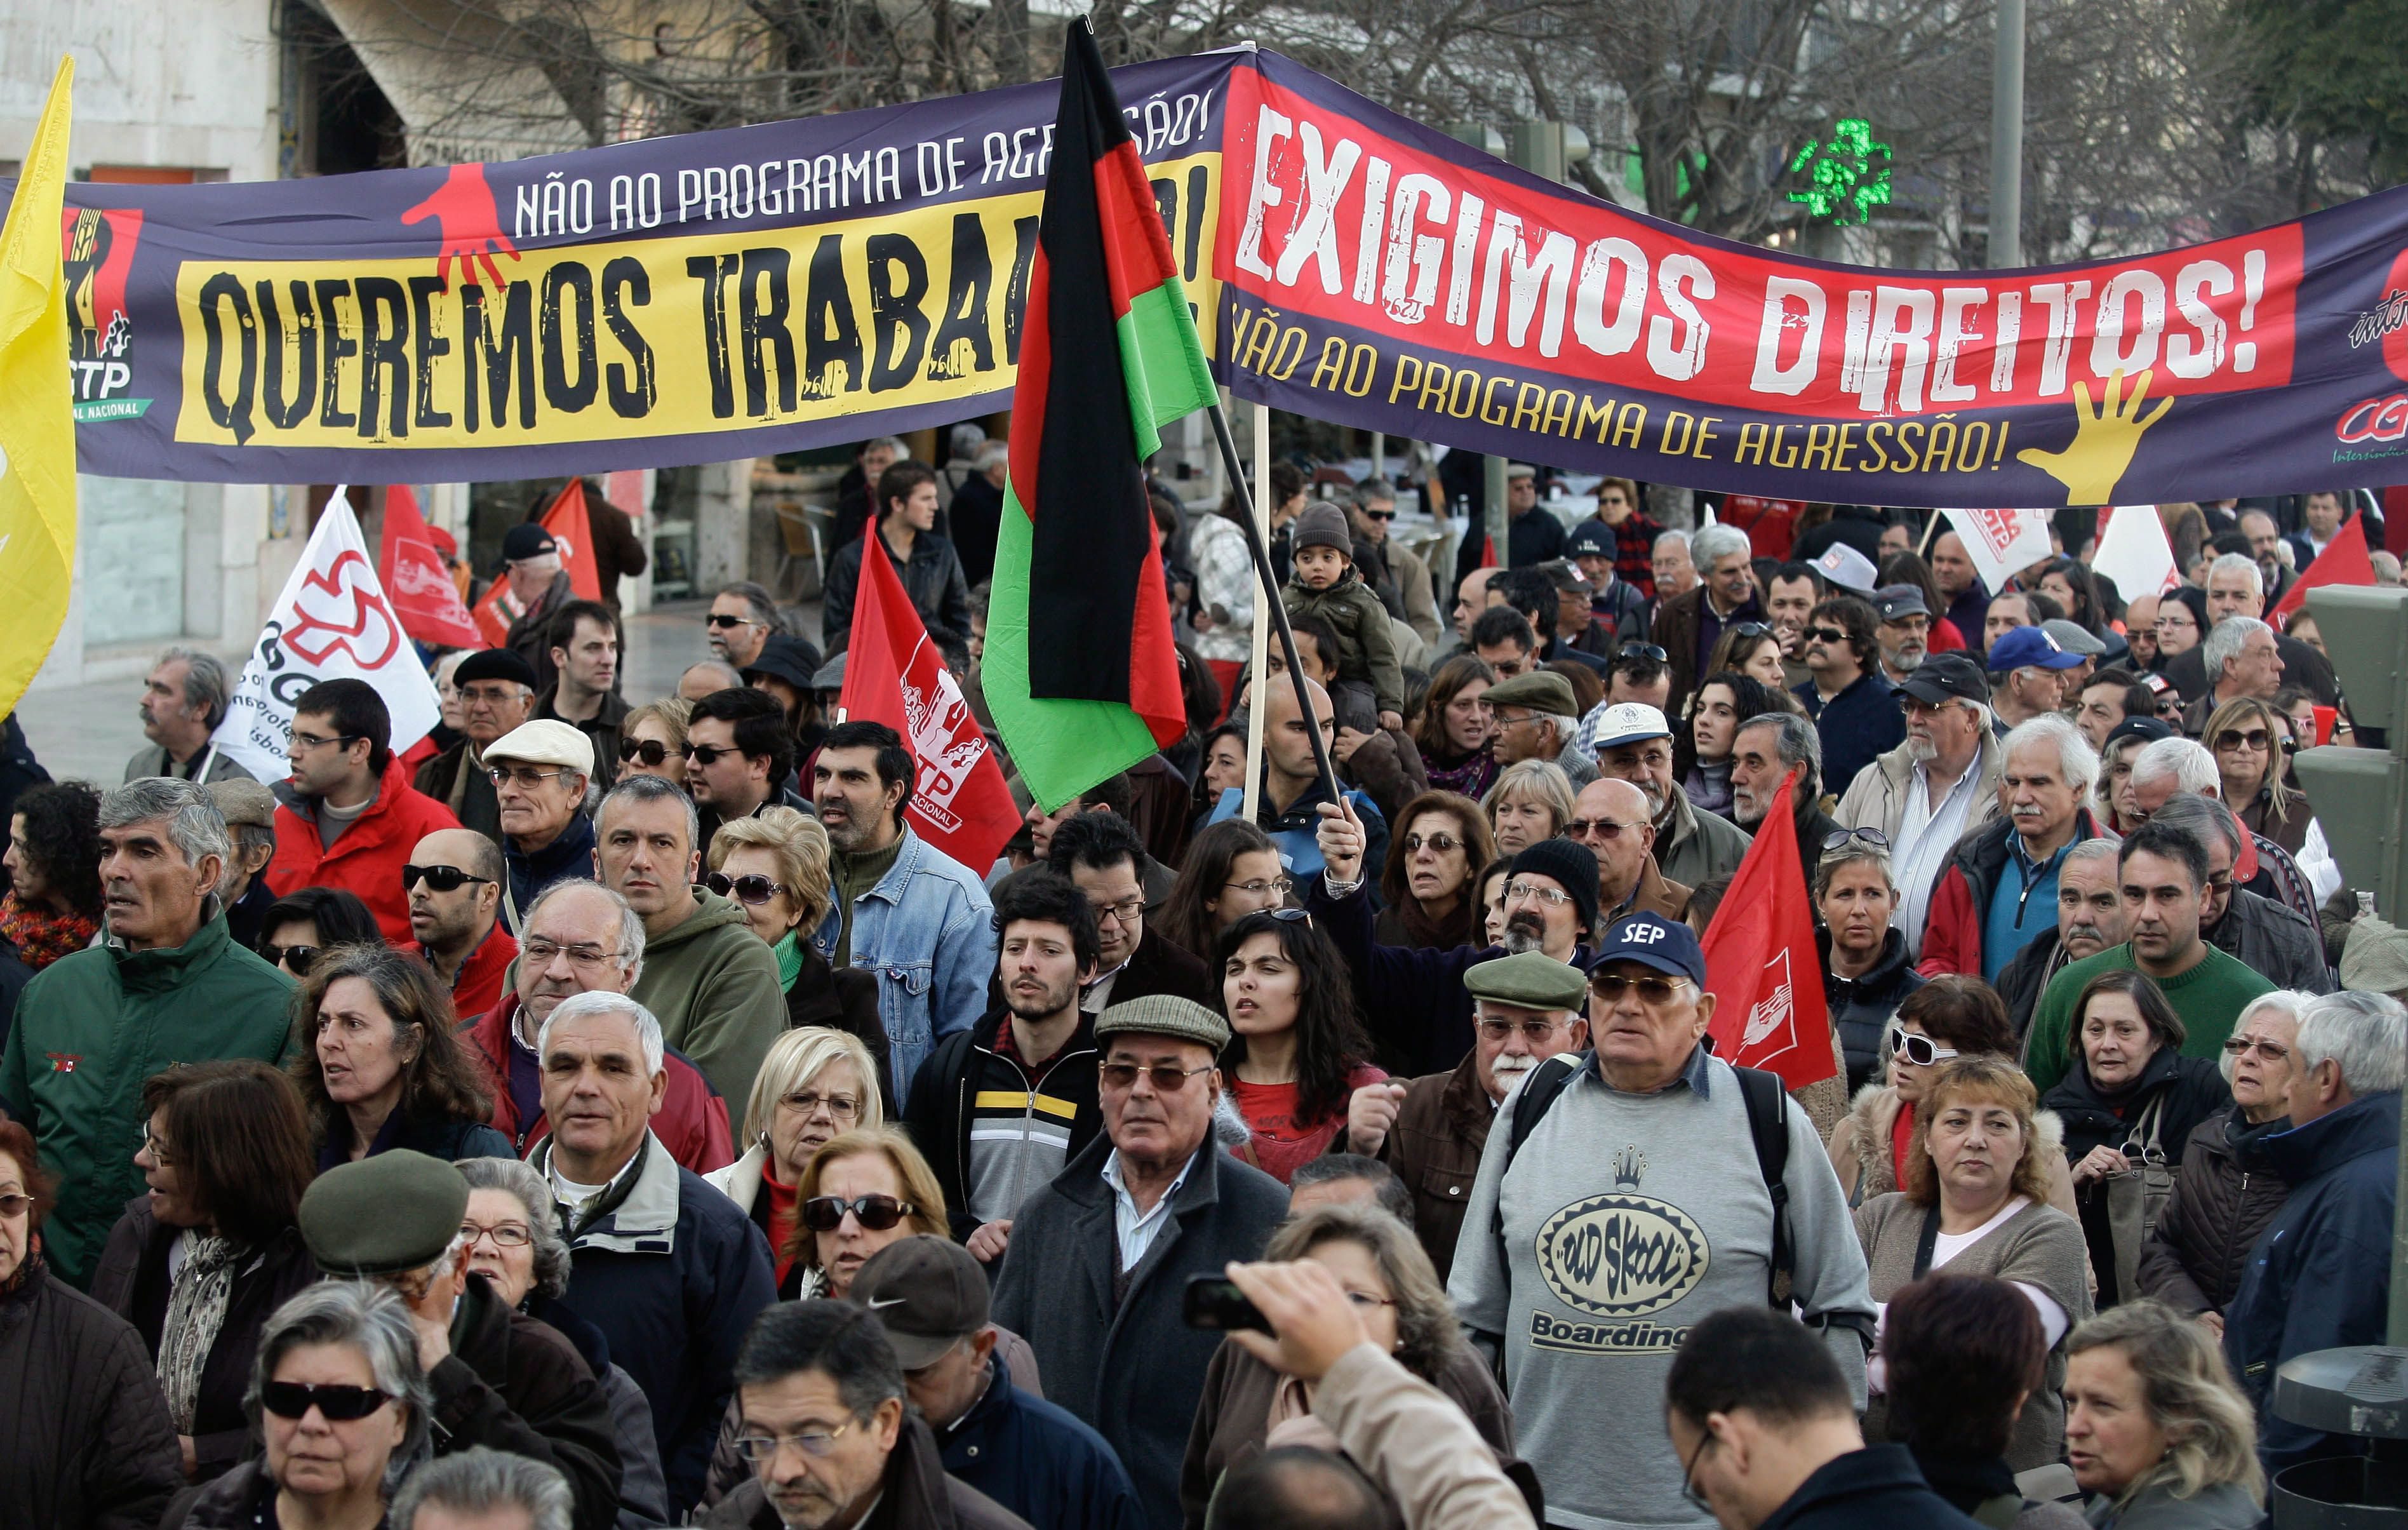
x=166, y=985
x=711, y=981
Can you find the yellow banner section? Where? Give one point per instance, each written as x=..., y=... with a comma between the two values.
x=649, y=337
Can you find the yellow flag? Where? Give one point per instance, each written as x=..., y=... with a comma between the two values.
x=38, y=449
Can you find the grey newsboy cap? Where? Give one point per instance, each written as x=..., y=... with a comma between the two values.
x=386, y=1215
x=1165, y=1015
x=1528, y=980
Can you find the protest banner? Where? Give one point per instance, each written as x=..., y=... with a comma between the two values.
x=332, y=622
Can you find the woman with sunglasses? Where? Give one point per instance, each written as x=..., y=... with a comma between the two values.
x=1948, y=1017
x=1866, y=970
x=1754, y=650
x=862, y=1190
x=1701, y=753
x=310, y=921
x=651, y=740
x=2252, y=744
x=198, y=1264
x=1455, y=728
x=512, y=1226
x=815, y=1085
x=88, y=1445
x=2129, y=1102
x=343, y=1410
x=774, y=866
x=383, y=1064
x=1296, y=1053
x=1425, y=882
x=1231, y=870
x=2195, y=1255
x=1975, y=1202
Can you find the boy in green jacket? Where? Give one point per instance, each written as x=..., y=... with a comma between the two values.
x=1325, y=585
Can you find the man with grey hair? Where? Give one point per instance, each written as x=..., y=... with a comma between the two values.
x=2089, y=919
x=498, y=1376
x=1766, y=748
x=479, y=1489
x=1934, y=788
x=1687, y=627
x=165, y=984
x=2264, y=935
x=2320, y=1276
x=1997, y=893
x=2236, y=587
x=2240, y=660
x=670, y=1270
x=184, y=701
x=741, y=617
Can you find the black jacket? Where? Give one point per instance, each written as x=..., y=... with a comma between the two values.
x=916, y=1495
x=2023, y=980
x=132, y=1282
x=1877, y=1485
x=965, y=1065
x=511, y=1383
x=1158, y=966
x=1037, y=1461
x=842, y=1000
x=932, y=577
x=2195, y=1256
x=1861, y=723
x=1861, y=1007
x=2192, y=1090
x=525, y=876
x=2271, y=939
x=88, y=1445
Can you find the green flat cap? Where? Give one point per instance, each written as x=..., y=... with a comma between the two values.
x=1165, y=1015
x=386, y=1215
x=1529, y=979
x=1540, y=690
x=2375, y=958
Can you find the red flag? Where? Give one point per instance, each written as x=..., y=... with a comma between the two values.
x=567, y=522
x=893, y=675
x=2344, y=562
x=416, y=581
x=1761, y=963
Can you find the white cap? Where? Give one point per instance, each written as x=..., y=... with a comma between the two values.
x=546, y=742
x=1628, y=722
x=1843, y=566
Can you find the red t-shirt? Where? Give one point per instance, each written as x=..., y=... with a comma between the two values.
x=1281, y=1142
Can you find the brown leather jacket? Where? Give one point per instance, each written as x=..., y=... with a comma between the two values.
x=1434, y=1148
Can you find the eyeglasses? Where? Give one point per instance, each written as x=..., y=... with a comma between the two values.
x=1534, y=1031
x=1839, y=839
x=652, y=752
x=1123, y=914
x=1523, y=892
x=297, y=958
x=1828, y=634
x=541, y=952
x=524, y=778
x=1689, y=1477
x=503, y=1234
x=878, y=1213
x=760, y=1449
x=1435, y=843
x=302, y=741
x=1655, y=993
x=154, y=1146
x=706, y=755
x=1291, y=915
x=13, y=1206
x=1168, y=1078
x=336, y=1403
x=807, y=1103
x=1643, y=650
x=2272, y=1051
x=440, y=878
x=744, y=890
x=1922, y=1050
x=1256, y=887
x=2234, y=738
x=1581, y=828
x=723, y=622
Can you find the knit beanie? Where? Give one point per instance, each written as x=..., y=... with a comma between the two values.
x=1570, y=864
x=1321, y=523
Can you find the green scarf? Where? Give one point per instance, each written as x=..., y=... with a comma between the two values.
x=789, y=952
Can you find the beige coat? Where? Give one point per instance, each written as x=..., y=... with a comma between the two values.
x=1411, y=1440
x=1876, y=799
x=1859, y=1149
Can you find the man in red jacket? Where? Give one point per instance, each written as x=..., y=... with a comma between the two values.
x=349, y=816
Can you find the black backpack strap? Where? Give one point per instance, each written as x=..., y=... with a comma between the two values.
x=1546, y=1081
x=1768, y=1128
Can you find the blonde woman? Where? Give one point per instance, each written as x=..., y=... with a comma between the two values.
x=2155, y=1429
x=651, y=740
x=2251, y=743
x=775, y=867
x=1531, y=801
x=814, y=1086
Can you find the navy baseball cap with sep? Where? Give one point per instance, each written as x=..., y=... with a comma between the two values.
x=1667, y=945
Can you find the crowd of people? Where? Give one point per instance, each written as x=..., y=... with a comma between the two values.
x=610, y=1111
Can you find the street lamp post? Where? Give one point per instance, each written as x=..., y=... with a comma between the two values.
x=2007, y=138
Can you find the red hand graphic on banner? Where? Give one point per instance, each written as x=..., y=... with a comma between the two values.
x=363, y=627
x=463, y=209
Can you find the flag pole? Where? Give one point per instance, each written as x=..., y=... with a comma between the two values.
x=1269, y=582
x=1259, y=633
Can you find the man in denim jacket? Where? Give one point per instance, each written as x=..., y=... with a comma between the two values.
x=904, y=910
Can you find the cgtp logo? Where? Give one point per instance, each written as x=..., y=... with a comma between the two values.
x=1774, y=1012
x=944, y=734
x=331, y=611
x=2373, y=419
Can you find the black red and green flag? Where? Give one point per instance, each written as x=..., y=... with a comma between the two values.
x=1079, y=669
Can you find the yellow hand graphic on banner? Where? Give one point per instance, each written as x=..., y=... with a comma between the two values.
x=2103, y=441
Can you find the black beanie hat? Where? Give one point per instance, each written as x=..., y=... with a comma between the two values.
x=1568, y=863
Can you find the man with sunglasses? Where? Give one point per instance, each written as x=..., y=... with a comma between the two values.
x=742, y=615
x=1844, y=695
x=497, y=689
x=1635, y=1210
x=348, y=817
x=541, y=772
x=500, y=1378
x=1373, y=510
x=1633, y=743
x=1430, y=1131
x=1100, y=1256
x=1610, y=818
x=453, y=882
x=1934, y=787
x=740, y=754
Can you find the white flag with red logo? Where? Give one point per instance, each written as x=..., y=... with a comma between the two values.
x=2133, y=551
x=2002, y=543
x=333, y=622
x=1761, y=965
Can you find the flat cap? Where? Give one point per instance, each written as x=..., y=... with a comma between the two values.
x=495, y=664
x=1165, y=1015
x=1540, y=690
x=244, y=800
x=1529, y=979
x=388, y=1214
x=1893, y=601
x=2375, y=958
x=546, y=740
x=1520, y=469
x=2073, y=637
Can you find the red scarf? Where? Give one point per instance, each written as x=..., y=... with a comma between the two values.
x=782, y=1211
x=42, y=938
